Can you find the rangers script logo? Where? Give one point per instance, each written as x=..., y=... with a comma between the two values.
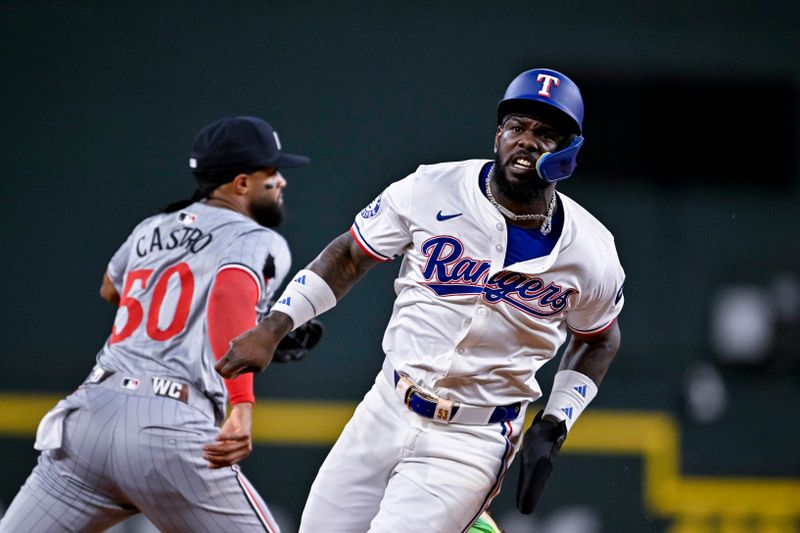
x=452, y=273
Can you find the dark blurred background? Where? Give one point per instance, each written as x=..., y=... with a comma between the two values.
x=691, y=160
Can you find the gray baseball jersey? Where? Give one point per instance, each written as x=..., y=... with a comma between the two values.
x=164, y=272
x=130, y=438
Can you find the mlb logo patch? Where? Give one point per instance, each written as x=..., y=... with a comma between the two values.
x=186, y=218
x=130, y=383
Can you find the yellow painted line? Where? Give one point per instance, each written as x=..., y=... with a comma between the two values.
x=20, y=413
x=274, y=422
x=741, y=497
x=308, y=423
x=652, y=435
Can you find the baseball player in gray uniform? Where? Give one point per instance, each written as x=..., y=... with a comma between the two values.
x=498, y=270
x=141, y=434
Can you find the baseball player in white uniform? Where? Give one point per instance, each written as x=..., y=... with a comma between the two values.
x=497, y=268
x=142, y=433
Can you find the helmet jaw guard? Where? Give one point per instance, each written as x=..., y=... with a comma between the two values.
x=554, y=97
x=557, y=166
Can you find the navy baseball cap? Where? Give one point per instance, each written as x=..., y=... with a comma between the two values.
x=234, y=143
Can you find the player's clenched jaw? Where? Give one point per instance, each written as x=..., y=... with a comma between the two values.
x=519, y=142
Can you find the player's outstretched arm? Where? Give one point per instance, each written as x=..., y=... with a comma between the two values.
x=340, y=265
x=585, y=363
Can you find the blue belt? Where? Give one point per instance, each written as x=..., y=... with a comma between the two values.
x=425, y=405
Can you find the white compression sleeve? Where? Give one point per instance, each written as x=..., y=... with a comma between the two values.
x=306, y=296
x=572, y=392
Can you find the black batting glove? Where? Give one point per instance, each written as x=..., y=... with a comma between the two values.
x=298, y=342
x=540, y=447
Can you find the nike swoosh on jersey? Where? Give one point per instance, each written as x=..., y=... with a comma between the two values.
x=440, y=217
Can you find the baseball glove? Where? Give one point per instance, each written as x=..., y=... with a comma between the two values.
x=298, y=342
x=540, y=447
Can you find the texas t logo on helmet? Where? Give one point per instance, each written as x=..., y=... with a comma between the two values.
x=551, y=96
x=547, y=80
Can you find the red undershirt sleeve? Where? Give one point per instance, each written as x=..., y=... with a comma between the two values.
x=231, y=312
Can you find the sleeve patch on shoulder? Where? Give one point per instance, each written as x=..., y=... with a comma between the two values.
x=372, y=208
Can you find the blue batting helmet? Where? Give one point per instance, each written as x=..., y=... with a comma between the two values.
x=544, y=90
x=551, y=96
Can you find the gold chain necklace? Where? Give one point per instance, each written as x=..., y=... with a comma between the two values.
x=546, y=219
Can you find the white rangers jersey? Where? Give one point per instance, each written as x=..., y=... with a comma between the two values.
x=164, y=273
x=464, y=326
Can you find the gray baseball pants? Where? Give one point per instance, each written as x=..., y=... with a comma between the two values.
x=127, y=451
